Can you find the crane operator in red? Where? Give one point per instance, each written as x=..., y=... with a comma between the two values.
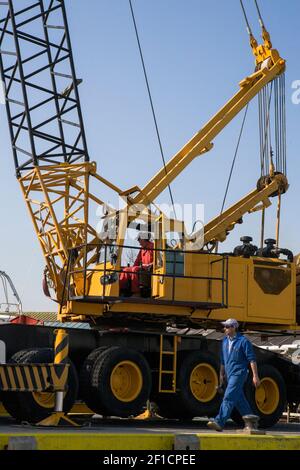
x=129, y=277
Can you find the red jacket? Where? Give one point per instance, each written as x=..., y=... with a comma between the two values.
x=145, y=255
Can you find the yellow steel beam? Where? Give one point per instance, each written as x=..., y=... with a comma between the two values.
x=216, y=229
x=202, y=141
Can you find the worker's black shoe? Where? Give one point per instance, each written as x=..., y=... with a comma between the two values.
x=215, y=426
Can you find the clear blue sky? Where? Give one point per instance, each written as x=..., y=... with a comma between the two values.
x=196, y=52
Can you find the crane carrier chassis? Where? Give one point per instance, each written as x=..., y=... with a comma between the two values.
x=116, y=371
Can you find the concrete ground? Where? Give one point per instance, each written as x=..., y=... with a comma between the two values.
x=152, y=426
x=152, y=435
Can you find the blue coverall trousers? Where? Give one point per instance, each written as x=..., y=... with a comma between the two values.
x=234, y=397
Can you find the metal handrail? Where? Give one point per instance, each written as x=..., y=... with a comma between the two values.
x=85, y=269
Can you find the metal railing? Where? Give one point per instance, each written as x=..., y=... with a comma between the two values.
x=107, y=262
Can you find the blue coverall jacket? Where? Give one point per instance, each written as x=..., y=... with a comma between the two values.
x=236, y=369
x=241, y=354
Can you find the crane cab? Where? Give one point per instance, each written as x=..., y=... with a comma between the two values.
x=196, y=285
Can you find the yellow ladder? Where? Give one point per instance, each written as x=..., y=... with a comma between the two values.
x=165, y=372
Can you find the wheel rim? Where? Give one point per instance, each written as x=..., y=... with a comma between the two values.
x=44, y=399
x=267, y=396
x=204, y=382
x=126, y=381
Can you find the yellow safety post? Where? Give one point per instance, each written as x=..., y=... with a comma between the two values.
x=61, y=353
x=61, y=346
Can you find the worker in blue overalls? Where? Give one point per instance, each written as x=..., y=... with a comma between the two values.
x=236, y=354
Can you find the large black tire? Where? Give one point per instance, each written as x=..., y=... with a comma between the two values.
x=197, y=382
x=34, y=407
x=237, y=419
x=268, y=401
x=121, y=383
x=10, y=400
x=85, y=377
x=168, y=406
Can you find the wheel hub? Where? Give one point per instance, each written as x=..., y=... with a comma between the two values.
x=126, y=381
x=267, y=396
x=204, y=382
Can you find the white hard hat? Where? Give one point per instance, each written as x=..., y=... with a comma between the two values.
x=231, y=322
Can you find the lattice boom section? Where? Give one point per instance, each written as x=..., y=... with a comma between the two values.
x=59, y=201
x=40, y=84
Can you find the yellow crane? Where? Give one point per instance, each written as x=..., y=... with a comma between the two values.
x=130, y=356
x=203, y=283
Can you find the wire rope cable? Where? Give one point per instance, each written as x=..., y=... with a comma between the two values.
x=246, y=18
x=261, y=21
x=151, y=100
x=234, y=158
x=265, y=98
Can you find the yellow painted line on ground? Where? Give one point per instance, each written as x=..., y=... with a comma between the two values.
x=136, y=441
x=93, y=441
x=244, y=442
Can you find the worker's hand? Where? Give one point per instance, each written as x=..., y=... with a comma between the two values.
x=256, y=381
x=220, y=388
